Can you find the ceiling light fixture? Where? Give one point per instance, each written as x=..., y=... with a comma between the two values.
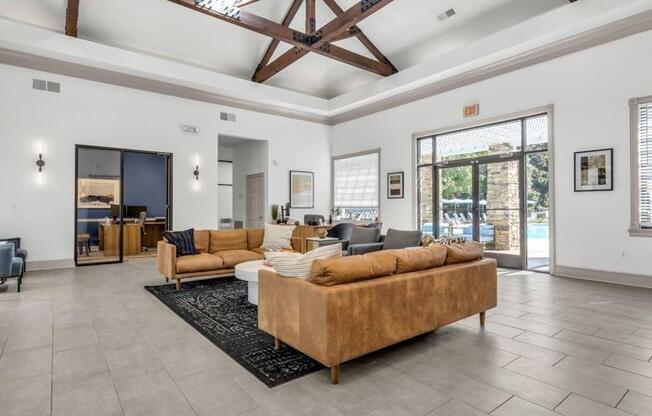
x=448, y=13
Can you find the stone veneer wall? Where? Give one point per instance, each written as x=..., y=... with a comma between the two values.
x=503, y=193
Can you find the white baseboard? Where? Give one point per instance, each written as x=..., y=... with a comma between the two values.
x=49, y=264
x=628, y=279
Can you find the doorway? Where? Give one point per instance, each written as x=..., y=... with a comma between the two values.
x=489, y=184
x=122, y=203
x=255, y=201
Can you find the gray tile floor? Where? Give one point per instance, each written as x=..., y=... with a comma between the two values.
x=92, y=341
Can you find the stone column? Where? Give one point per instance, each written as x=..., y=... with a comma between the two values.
x=503, y=193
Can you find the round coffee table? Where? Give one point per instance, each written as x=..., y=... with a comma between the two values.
x=248, y=271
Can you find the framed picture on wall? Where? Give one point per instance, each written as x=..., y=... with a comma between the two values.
x=97, y=193
x=395, y=186
x=302, y=189
x=594, y=170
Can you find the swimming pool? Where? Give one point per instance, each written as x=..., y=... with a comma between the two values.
x=535, y=231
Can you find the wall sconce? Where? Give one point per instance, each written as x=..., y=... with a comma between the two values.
x=40, y=162
x=196, y=172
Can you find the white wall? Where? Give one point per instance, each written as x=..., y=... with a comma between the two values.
x=590, y=92
x=99, y=114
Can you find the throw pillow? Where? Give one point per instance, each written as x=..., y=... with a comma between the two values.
x=278, y=235
x=298, y=265
x=184, y=241
x=361, y=235
x=447, y=241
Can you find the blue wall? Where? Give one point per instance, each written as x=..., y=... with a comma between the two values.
x=144, y=182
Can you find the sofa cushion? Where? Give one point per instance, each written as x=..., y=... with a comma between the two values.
x=255, y=237
x=259, y=250
x=349, y=269
x=419, y=258
x=233, y=257
x=463, y=252
x=299, y=265
x=184, y=241
x=202, y=262
x=402, y=239
x=362, y=235
x=278, y=235
x=202, y=238
x=221, y=240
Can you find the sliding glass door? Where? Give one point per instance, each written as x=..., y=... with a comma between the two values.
x=122, y=203
x=489, y=184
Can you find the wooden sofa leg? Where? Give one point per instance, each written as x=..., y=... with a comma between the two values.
x=482, y=314
x=167, y=279
x=277, y=343
x=335, y=374
x=178, y=284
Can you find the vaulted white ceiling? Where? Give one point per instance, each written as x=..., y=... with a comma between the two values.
x=406, y=31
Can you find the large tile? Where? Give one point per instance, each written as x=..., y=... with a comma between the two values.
x=210, y=393
x=29, y=336
x=75, y=337
x=526, y=325
x=619, y=336
x=23, y=364
x=576, y=405
x=456, y=408
x=93, y=395
x=152, y=394
x=26, y=397
x=605, y=344
x=607, y=374
x=136, y=360
x=519, y=407
x=632, y=365
x=636, y=404
x=78, y=363
x=585, y=386
x=522, y=386
x=564, y=347
x=184, y=360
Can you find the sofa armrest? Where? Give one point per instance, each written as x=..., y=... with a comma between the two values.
x=166, y=259
x=364, y=248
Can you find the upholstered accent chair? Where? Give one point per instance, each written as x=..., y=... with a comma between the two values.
x=342, y=232
x=10, y=264
x=395, y=239
x=20, y=252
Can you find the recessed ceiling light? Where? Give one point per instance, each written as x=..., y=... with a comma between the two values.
x=448, y=13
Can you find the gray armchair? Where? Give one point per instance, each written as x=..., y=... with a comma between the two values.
x=393, y=240
x=10, y=264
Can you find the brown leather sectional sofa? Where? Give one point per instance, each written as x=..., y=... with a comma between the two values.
x=219, y=252
x=355, y=305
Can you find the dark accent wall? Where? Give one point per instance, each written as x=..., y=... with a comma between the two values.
x=144, y=182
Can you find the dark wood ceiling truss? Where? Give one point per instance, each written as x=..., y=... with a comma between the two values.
x=320, y=41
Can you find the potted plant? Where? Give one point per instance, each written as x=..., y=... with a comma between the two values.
x=275, y=213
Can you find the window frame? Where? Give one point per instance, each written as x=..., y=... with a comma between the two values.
x=635, y=228
x=352, y=155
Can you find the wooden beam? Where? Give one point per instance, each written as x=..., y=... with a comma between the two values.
x=318, y=43
x=294, y=8
x=72, y=14
x=310, y=17
x=326, y=34
x=355, y=31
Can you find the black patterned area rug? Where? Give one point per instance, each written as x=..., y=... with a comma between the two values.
x=218, y=308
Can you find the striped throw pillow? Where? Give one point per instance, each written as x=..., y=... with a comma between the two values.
x=183, y=240
x=298, y=265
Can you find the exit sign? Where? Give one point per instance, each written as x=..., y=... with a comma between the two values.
x=471, y=110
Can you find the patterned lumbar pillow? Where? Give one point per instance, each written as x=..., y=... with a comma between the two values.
x=278, y=236
x=184, y=241
x=298, y=265
x=447, y=241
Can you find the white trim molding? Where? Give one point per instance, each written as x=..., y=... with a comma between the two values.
x=635, y=228
x=627, y=279
x=37, y=265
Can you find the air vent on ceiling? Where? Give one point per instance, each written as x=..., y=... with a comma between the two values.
x=43, y=85
x=448, y=13
x=227, y=116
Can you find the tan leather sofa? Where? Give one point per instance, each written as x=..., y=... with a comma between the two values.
x=355, y=305
x=218, y=253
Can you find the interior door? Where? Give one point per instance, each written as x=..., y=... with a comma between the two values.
x=255, y=201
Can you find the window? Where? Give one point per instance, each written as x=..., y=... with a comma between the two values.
x=356, y=185
x=641, y=161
